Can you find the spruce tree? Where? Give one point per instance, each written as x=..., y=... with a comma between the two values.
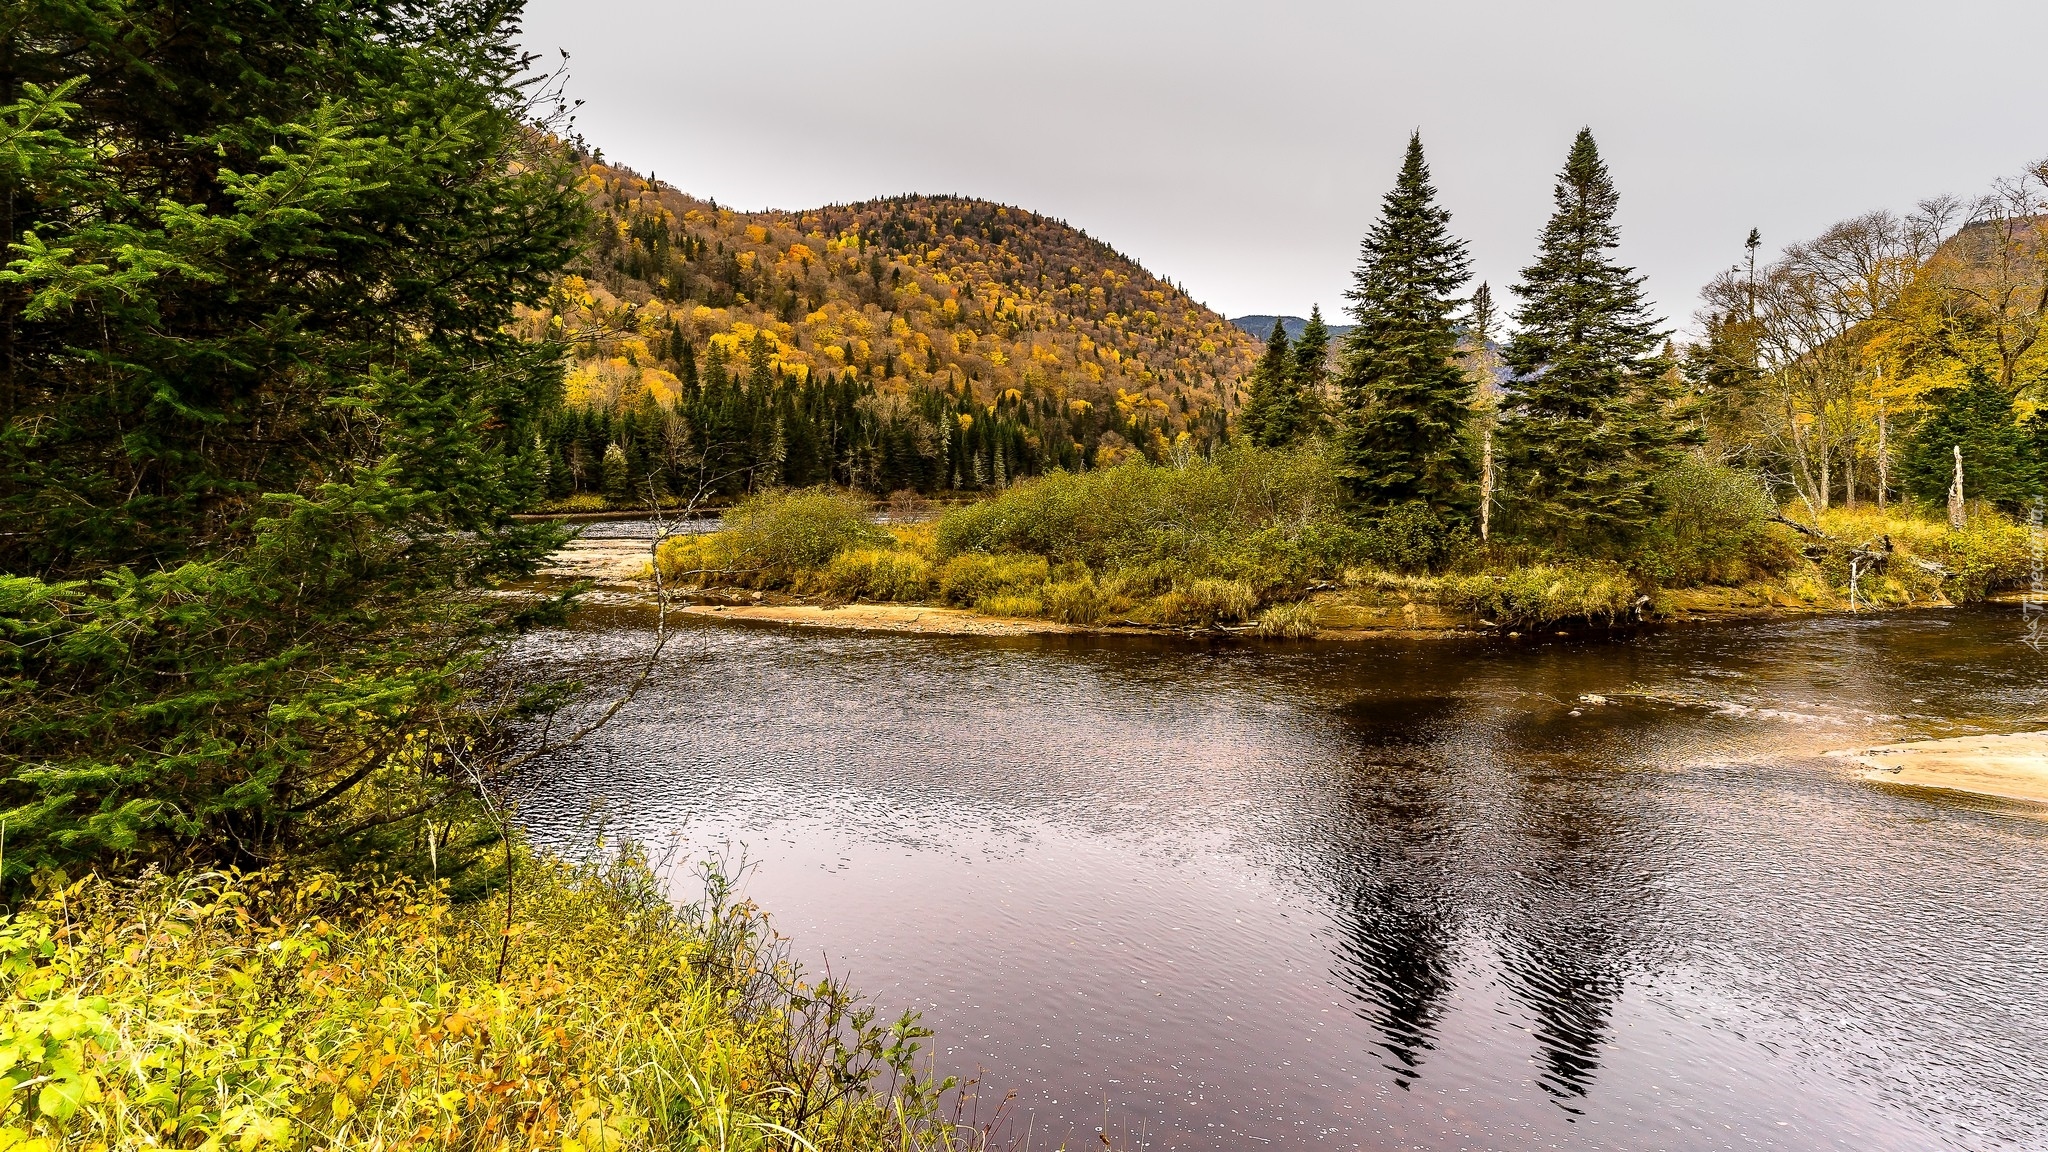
x=1402, y=393
x=1263, y=416
x=1587, y=426
x=250, y=523
x=2002, y=459
x=1311, y=367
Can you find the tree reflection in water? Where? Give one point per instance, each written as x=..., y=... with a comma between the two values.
x=1455, y=825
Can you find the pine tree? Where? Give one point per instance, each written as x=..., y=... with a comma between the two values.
x=1587, y=427
x=1262, y=418
x=251, y=524
x=2001, y=456
x=1311, y=368
x=1403, y=398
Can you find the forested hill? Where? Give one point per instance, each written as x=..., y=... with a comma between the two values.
x=921, y=309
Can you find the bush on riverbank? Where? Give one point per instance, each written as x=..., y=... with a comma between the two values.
x=288, y=1011
x=1222, y=542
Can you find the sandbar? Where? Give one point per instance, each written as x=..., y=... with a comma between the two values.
x=2013, y=767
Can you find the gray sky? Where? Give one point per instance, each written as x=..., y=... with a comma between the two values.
x=1242, y=149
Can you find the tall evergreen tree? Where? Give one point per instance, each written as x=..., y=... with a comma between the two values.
x=249, y=520
x=1263, y=418
x=1311, y=368
x=1587, y=426
x=1403, y=398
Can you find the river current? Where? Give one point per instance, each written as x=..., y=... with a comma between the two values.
x=1395, y=895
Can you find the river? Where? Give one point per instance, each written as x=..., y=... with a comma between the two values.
x=1396, y=895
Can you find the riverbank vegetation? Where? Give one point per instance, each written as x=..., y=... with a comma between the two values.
x=301, y=1009
x=1572, y=474
x=1261, y=541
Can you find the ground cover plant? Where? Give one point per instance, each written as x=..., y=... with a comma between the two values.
x=284, y=1010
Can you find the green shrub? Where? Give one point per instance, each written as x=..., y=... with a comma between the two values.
x=1715, y=529
x=1545, y=594
x=879, y=574
x=1140, y=513
x=1407, y=538
x=1295, y=620
x=1988, y=554
x=972, y=577
x=775, y=539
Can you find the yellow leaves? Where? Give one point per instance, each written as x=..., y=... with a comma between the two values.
x=800, y=253
x=1133, y=403
x=757, y=234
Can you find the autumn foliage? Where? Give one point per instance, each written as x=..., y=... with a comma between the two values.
x=889, y=328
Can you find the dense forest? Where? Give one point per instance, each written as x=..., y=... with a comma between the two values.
x=919, y=342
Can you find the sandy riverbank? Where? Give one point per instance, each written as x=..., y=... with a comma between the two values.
x=2013, y=767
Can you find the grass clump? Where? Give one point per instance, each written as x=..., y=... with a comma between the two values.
x=1545, y=594
x=275, y=1011
x=1291, y=621
x=1010, y=604
x=885, y=575
x=972, y=577
x=1207, y=603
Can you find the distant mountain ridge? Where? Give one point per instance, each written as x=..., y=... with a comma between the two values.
x=1261, y=327
x=907, y=291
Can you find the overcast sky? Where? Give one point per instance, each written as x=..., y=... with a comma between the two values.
x=1242, y=149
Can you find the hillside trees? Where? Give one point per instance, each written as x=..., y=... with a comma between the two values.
x=991, y=340
x=1403, y=397
x=1588, y=425
x=263, y=422
x=1993, y=277
x=1841, y=358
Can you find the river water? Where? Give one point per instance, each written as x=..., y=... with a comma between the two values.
x=1396, y=895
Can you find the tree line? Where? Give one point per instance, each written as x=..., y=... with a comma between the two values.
x=1889, y=353
x=1890, y=356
